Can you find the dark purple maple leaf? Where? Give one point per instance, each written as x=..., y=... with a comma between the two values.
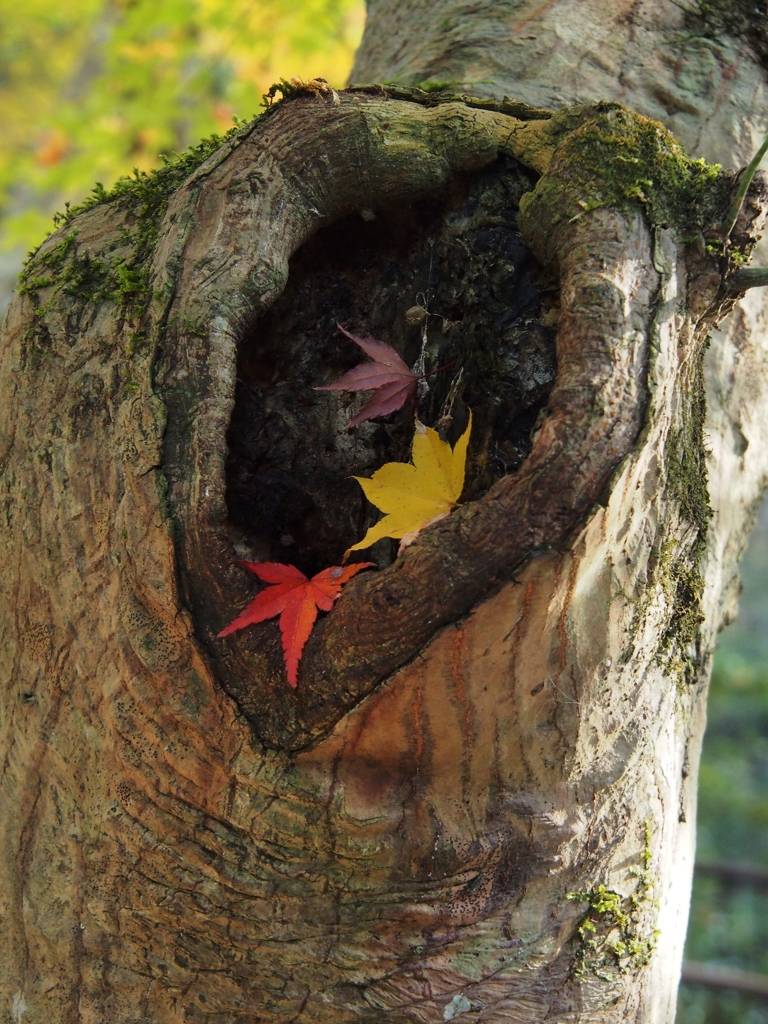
x=387, y=375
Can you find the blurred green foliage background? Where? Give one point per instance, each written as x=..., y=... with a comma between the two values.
x=729, y=922
x=91, y=89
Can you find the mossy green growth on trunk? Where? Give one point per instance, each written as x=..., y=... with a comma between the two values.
x=686, y=456
x=123, y=276
x=610, y=156
x=686, y=464
x=611, y=938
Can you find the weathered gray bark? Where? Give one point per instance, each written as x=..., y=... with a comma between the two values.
x=509, y=713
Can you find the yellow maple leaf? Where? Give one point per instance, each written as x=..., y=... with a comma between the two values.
x=414, y=494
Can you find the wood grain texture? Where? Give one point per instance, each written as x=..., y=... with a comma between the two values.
x=510, y=710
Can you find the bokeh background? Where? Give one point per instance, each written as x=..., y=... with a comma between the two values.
x=728, y=926
x=91, y=90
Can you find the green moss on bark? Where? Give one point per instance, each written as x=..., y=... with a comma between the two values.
x=122, y=275
x=686, y=454
x=612, y=938
x=686, y=464
x=610, y=156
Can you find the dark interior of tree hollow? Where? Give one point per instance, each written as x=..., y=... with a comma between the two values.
x=492, y=315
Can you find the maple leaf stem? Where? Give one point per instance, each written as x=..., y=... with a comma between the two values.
x=438, y=369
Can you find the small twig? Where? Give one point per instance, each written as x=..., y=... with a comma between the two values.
x=738, y=872
x=453, y=392
x=749, y=277
x=738, y=199
x=718, y=976
x=418, y=367
x=437, y=369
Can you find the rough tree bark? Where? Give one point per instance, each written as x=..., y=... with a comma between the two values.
x=498, y=732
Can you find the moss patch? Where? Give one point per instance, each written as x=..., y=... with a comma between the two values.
x=686, y=456
x=123, y=274
x=69, y=273
x=686, y=465
x=684, y=586
x=611, y=156
x=611, y=939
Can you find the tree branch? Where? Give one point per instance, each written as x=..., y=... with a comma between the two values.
x=718, y=976
x=734, y=871
x=749, y=277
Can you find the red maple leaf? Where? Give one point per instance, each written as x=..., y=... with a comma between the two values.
x=295, y=598
x=387, y=375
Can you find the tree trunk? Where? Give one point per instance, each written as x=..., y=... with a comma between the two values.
x=480, y=799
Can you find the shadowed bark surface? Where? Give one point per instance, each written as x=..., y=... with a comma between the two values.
x=498, y=722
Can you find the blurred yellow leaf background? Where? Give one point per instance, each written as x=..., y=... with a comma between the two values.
x=91, y=89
